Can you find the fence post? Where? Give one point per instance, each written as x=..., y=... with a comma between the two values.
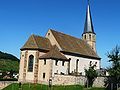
x=111, y=86
x=117, y=86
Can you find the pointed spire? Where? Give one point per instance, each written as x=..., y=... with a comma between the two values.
x=88, y=22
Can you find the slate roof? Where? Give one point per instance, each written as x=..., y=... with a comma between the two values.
x=73, y=45
x=88, y=28
x=37, y=42
x=54, y=53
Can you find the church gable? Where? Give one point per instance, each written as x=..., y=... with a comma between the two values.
x=52, y=39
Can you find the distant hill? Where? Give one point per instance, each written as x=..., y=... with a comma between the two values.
x=8, y=62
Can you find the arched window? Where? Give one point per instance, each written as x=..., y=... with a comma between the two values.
x=90, y=36
x=30, y=63
x=85, y=37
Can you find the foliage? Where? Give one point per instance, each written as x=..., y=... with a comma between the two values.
x=8, y=65
x=91, y=74
x=114, y=70
x=8, y=62
x=8, y=56
x=114, y=57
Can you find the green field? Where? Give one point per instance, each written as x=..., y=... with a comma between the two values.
x=45, y=87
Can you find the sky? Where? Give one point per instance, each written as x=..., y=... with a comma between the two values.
x=21, y=18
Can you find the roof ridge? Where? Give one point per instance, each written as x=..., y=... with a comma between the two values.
x=39, y=36
x=33, y=36
x=65, y=34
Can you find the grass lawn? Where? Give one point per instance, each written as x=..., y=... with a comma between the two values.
x=45, y=87
x=95, y=88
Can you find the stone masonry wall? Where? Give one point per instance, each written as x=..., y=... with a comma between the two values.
x=4, y=84
x=72, y=80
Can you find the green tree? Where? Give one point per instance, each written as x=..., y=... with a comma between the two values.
x=91, y=74
x=114, y=70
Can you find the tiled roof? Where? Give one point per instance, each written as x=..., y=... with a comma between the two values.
x=37, y=42
x=73, y=45
x=67, y=43
x=54, y=53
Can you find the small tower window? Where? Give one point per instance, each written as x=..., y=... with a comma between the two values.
x=90, y=36
x=85, y=37
x=94, y=37
x=22, y=55
x=48, y=34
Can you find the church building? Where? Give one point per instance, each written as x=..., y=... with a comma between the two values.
x=57, y=53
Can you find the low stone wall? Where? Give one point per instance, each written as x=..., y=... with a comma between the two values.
x=72, y=80
x=68, y=80
x=4, y=84
x=99, y=82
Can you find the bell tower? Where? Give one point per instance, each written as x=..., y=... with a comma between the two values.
x=89, y=35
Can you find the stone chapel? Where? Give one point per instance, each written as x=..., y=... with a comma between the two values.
x=57, y=53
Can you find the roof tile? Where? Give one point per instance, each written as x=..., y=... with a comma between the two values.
x=74, y=45
x=37, y=42
x=54, y=53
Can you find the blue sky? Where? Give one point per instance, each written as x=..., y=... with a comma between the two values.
x=21, y=18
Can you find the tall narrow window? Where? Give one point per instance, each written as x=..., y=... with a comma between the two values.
x=95, y=64
x=44, y=61
x=90, y=63
x=56, y=62
x=77, y=65
x=30, y=63
x=90, y=36
x=63, y=62
x=43, y=75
